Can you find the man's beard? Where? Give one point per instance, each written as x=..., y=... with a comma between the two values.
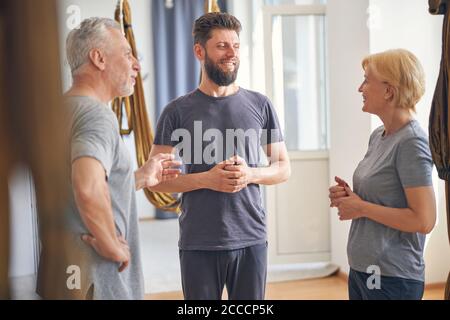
x=217, y=75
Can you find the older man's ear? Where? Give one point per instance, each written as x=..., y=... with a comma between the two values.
x=98, y=59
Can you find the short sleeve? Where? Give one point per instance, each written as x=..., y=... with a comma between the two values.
x=167, y=124
x=95, y=137
x=272, y=129
x=414, y=163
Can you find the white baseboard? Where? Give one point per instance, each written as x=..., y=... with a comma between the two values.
x=24, y=288
x=300, y=271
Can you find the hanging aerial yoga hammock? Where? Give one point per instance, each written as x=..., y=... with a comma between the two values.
x=137, y=116
x=135, y=109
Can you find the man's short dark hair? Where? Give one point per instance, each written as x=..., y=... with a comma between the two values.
x=204, y=25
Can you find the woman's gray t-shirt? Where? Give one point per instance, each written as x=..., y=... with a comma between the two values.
x=391, y=164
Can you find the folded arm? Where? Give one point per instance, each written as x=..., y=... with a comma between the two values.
x=420, y=216
x=279, y=169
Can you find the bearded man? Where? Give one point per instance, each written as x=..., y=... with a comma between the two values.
x=223, y=239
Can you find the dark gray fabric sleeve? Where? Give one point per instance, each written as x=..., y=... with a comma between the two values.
x=272, y=133
x=167, y=123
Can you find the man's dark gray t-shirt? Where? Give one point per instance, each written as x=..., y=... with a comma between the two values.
x=95, y=134
x=391, y=164
x=210, y=130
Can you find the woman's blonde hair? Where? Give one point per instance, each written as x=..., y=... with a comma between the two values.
x=402, y=70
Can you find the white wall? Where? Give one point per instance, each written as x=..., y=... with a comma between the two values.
x=407, y=24
x=348, y=43
x=141, y=21
x=437, y=251
x=22, y=224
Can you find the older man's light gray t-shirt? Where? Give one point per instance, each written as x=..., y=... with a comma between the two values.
x=95, y=134
x=391, y=164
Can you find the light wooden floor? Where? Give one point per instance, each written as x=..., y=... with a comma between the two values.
x=330, y=288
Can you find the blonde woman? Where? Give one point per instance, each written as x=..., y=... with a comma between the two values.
x=392, y=205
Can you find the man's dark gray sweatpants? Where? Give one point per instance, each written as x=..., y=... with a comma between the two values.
x=243, y=271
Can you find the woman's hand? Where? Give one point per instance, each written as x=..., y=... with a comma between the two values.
x=349, y=207
x=348, y=203
x=337, y=191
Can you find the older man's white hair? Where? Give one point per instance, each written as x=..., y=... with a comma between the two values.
x=91, y=34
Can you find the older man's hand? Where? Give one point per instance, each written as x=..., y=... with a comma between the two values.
x=157, y=169
x=119, y=251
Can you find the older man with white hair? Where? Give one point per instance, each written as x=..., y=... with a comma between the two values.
x=102, y=217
